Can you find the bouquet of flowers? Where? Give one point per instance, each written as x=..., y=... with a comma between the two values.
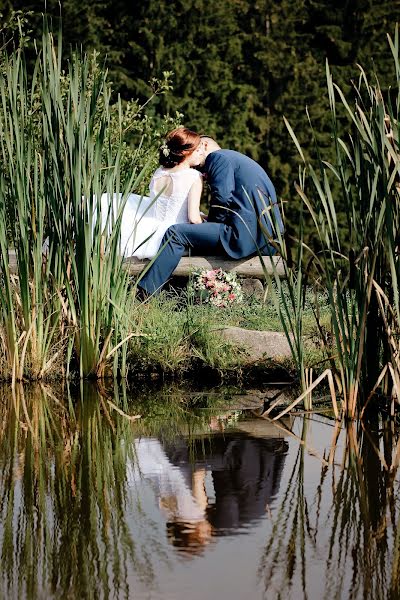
x=216, y=287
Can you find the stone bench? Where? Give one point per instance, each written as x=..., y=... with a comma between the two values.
x=250, y=268
x=246, y=267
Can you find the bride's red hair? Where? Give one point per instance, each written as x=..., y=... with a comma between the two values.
x=179, y=144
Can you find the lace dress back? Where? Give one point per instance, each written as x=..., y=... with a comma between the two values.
x=171, y=190
x=146, y=219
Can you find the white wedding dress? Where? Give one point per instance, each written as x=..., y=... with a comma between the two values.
x=146, y=219
x=168, y=481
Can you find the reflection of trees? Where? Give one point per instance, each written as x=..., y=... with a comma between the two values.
x=64, y=498
x=351, y=518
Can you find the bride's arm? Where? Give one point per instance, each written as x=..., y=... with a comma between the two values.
x=194, y=201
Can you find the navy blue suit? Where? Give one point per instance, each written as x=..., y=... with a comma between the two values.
x=240, y=192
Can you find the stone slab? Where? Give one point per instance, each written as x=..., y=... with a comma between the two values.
x=247, y=267
x=259, y=345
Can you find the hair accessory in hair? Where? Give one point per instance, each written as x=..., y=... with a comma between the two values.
x=165, y=149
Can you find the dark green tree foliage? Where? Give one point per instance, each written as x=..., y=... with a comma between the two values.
x=239, y=65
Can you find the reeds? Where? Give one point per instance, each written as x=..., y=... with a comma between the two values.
x=70, y=295
x=355, y=263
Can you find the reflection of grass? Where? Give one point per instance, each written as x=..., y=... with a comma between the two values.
x=354, y=516
x=175, y=412
x=68, y=511
x=287, y=539
x=71, y=524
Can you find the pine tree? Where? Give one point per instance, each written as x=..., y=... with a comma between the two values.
x=239, y=65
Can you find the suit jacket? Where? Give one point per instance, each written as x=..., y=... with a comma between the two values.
x=240, y=191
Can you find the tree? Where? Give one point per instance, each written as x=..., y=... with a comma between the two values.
x=238, y=66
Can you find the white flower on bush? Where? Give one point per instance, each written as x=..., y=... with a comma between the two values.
x=219, y=288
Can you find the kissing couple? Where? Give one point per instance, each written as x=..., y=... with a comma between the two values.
x=171, y=223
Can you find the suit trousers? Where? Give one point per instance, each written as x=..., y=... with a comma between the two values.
x=201, y=239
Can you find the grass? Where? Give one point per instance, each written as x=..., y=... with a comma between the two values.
x=176, y=334
x=73, y=311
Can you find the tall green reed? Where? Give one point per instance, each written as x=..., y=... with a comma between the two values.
x=357, y=263
x=57, y=163
x=289, y=306
x=75, y=129
x=30, y=308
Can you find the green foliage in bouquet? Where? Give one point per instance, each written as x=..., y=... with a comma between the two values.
x=216, y=287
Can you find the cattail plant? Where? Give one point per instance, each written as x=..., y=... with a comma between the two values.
x=358, y=263
x=70, y=295
x=30, y=308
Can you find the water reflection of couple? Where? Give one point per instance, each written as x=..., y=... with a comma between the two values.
x=245, y=476
x=240, y=193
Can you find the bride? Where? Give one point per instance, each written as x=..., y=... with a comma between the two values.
x=175, y=192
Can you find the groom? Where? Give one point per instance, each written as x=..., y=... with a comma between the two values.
x=241, y=192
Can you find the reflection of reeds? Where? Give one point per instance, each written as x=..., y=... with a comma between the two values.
x=71, y=520
x=287, y=539
x=351, y=519
x=64, y=498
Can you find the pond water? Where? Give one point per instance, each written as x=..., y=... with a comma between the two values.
x=199, y=498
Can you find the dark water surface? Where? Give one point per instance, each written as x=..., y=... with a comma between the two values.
x=199, y=499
